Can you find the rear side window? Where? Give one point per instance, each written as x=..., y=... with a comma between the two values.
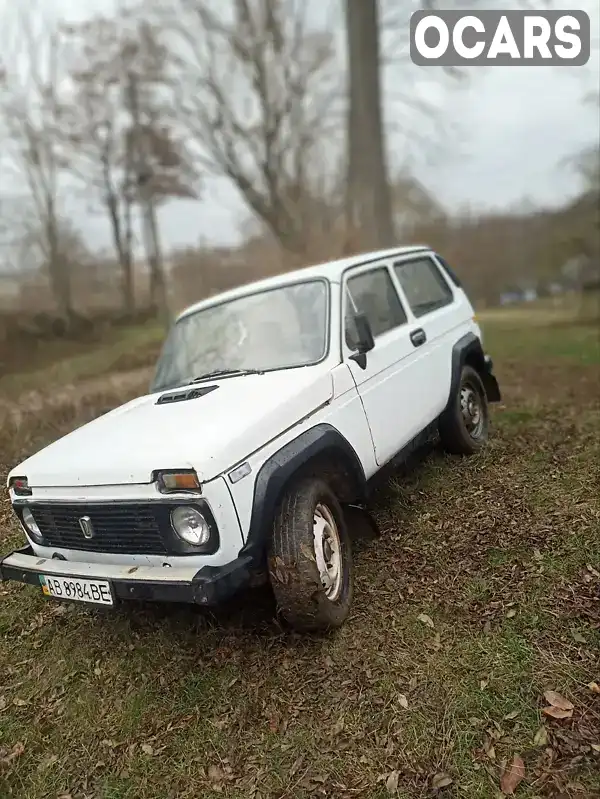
x=449, y=271
x=425, y=288
x=373, y=294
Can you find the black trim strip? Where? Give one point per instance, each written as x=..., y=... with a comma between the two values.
x=280, y=467
x=469, y=346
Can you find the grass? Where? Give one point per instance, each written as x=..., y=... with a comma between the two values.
x=121, y=350
x=501, y=552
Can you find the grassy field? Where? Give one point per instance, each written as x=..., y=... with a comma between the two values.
x=482, y=595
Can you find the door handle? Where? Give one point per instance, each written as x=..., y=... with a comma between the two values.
x=418, y=337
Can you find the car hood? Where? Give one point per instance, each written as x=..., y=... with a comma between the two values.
x=210, y=433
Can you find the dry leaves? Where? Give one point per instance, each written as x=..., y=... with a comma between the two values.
x=7, y=758
x=556, y=712
x=403, y=701
x=488, y=748
x=512, y=776
x=541, y=737
x=440, y=781
x=559, y=707
x=391, y=783
x=423, y=617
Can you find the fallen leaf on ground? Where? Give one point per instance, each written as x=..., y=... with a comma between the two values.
x=403, y=701
x=541, y=737
x=592, y=570
x=557, y=700
x=423, y=617
x=16, y=752
x=215, y=774
x=511, y=613
x=441, y=780
x=147, y=749
x=556, y=712
x=488, y=748
x=512, y=776
x=391, y=783
x=594, y=687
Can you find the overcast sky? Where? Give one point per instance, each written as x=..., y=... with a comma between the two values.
x=506, y=134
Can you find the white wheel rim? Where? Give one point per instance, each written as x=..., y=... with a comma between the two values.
x=328, y=551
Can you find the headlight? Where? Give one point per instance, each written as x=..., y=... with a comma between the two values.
x=190, y=525
x=32, y=526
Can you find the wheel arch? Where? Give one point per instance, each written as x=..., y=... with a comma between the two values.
x=321, y=451
x=468, y=351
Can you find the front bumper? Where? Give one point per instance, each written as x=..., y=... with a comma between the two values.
x=207, y=586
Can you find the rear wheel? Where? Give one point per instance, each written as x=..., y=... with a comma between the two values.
x=310, y=559
x=464, y=425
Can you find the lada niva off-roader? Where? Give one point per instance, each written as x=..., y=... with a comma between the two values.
x=272, y=408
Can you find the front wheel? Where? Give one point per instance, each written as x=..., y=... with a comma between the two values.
x=310, y=558
x=464, y=425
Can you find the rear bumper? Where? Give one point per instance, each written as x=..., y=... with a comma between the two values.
x=208, y=586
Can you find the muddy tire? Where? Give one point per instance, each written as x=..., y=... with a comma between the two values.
x=310, y=558
x=464, y=426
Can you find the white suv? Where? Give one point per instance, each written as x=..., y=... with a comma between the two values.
x=272, y=409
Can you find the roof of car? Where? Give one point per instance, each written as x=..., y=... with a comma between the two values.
x=331, y=270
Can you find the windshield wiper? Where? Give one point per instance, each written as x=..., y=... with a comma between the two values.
x=227, y=373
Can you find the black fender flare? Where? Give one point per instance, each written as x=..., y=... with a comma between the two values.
x=277, y=470
x=469, y=349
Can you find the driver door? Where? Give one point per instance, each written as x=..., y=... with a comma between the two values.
x=389, y=385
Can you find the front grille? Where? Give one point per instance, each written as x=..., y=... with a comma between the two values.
x=129, y=528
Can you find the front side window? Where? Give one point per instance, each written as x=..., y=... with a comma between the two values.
x=424, y=287
x=275, y=329
x=373, y=294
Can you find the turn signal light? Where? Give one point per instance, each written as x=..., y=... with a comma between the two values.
x=178, y=481
x=20, y=486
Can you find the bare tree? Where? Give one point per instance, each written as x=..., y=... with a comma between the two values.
x=122, y=144
x=31, y=114
x=94, y=137
x=257, y=88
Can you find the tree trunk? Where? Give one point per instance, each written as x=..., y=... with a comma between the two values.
x=142, y=170
x=158, y=287
x=122, y=243
x=368, y=201
x=58, y=269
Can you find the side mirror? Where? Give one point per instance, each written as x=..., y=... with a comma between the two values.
x=363, y=339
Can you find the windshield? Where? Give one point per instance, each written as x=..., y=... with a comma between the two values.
x=275, y=329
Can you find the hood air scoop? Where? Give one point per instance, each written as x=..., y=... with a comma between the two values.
x=188, y=394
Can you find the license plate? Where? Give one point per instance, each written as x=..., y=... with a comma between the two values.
x=96, y=592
